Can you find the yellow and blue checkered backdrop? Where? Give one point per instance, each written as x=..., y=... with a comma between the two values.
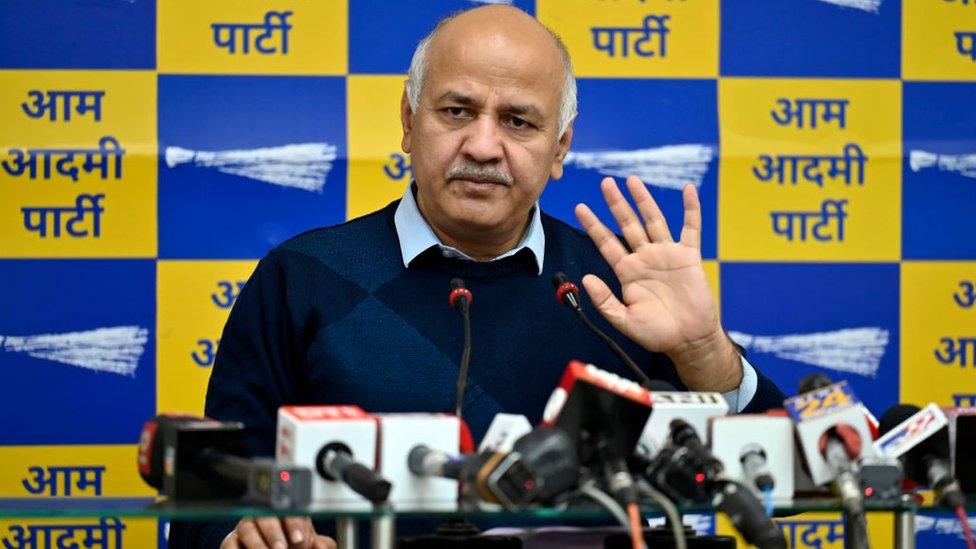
x=152, y=151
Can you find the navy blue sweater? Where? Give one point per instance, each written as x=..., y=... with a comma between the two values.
x=332, y=316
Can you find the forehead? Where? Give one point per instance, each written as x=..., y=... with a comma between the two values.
x=497, y=61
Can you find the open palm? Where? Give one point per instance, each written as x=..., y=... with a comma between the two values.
x=667, y=305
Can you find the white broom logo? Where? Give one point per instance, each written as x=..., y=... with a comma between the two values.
x=668, y=167
x=114, y=349
x=851, y=350
x=964, y=164
x=302, y=166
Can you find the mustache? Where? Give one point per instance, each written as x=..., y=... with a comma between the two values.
x=480, y=173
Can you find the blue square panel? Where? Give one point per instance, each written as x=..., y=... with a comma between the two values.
x=939, y=171
x=383, y=35
x=665, y=131
x=68, y=34
x=840, y=320
x=77, y=350
x=811, y=38
x=247, y=162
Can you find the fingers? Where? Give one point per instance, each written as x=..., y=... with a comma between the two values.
x=299, y=530
x=630, y=226
x=231, y=541
x=249, y=535
x=603, y=299
x=691, y=231
x=654, y=221
x=323, y=542
x=610, y=247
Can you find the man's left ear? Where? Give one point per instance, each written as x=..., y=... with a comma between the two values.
x=562, y=150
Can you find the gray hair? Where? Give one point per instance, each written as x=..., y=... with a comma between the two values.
x=418, y=72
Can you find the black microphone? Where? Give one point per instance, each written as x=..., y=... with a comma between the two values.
x=567, y=293
x=689, y=473
x=335, y=462
x=460, y=298
x=926, y=463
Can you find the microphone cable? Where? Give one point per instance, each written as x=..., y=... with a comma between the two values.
x=567, y=293
x=967, y=531
x=460, y=299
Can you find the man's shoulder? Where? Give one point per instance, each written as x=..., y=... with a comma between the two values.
x=364, y=251
x=354, y=233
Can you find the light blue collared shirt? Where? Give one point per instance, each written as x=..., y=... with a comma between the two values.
x=416, y=237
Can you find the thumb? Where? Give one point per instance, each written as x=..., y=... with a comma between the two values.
x=603, y=299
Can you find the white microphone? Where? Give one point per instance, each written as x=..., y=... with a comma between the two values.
x=340, y=443
x=752, y=446
x=695, y=408
x=401, y=433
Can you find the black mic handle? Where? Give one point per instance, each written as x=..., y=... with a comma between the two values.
x=748, y=516
x=367, y=483
x=358, y=477
x=621, y=354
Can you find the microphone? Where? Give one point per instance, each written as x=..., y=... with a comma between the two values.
x=687, y=472
x=541, y=466
x=567, y=293
x=193, y=458
x=919, y=438
x=399, y=434
x=603, y=414
x=757, y=450
x=339, y=443
x=962, y=433
x=667, y=404
x=834, y=435
x=460, y=299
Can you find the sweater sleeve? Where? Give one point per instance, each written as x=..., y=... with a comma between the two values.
x=767, y=397
x=252, y=376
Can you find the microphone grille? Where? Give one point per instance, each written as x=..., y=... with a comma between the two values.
x=559, y=279
x=457, y=283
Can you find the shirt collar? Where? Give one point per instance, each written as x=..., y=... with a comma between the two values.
x=416, y=236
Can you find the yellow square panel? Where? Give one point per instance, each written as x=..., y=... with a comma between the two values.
x=80, y=532
x=78, y=164
x=194, y=300
x=938, y=40
x=654, y=38
x=71, y=471
x=938, y=327
x=379, y=170
x=818, y=530
x=257, y=37
x=810, y=170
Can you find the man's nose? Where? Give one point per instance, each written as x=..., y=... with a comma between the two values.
x=483, y=141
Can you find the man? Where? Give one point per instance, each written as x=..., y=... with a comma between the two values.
x=357, y=314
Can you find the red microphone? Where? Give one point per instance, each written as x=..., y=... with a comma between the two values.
x=460, y=297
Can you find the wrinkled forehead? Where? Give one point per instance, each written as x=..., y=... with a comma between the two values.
x=498, y=62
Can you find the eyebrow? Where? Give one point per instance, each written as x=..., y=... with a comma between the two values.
x=520, y=110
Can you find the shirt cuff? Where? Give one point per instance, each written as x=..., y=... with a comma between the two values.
x=739, y=398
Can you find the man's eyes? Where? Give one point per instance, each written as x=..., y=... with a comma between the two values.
x=518, y=123
x=514, y=122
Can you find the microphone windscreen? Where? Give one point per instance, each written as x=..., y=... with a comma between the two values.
x=457, y=283
x=559, y=279
x=813, y=382
x=895, y=415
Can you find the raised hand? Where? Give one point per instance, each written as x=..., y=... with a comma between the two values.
x=667, y=305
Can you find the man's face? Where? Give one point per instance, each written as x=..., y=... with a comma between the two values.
x=483, y=141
